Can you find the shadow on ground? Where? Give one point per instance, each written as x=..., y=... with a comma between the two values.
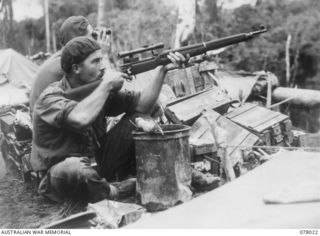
x=22, y=207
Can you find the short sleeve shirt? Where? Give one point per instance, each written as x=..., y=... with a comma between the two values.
x=49, y=72
x=54, y=139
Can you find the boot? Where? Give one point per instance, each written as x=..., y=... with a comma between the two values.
x=125, y=188
x=204, y=182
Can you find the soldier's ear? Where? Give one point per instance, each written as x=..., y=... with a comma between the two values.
x=76, y=68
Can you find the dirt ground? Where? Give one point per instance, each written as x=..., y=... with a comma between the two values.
x=22, y=207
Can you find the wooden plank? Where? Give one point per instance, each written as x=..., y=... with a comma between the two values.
x=240, y=110
x=253, y=117
x=264, y=120
x=235, y=134
x=182, y=81
x=278, y=119
x=76, y=221
x=250, y=140
x=190, y=80
x=257, y=118
x=185, y=98
x=188, y=110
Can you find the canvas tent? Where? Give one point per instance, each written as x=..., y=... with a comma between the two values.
x=16, y=76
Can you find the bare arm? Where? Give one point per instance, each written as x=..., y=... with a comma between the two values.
x=151, y=93
x=86, y=111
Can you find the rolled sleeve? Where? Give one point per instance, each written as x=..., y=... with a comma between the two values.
x=54, y=108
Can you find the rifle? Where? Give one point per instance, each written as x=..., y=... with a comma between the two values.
x=135, y=65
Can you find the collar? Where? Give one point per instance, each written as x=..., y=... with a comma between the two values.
x=65, y=83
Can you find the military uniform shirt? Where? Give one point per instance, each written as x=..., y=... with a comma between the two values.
x=54, y=139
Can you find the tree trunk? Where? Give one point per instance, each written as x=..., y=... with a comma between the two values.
x=100, y=16
x=7, y=12
x=54, y=41
x=10, y=9
x=186, y=22
x=288, y=60
x=47, y=22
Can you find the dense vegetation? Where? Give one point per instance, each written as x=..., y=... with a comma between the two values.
x=140, y=22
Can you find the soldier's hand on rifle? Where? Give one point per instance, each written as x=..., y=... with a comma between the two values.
x=114, y=80
x=178, y=61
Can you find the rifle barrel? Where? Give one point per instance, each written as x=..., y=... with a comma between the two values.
x=192, y=50
x=144, y=65
x=218, y=43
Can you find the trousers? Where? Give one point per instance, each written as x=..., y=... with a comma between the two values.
x=117, y=159
x=75, y=178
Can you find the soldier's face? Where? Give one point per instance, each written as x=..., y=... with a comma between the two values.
x=90, y=68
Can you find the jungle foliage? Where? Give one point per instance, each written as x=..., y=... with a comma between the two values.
x=140, y=22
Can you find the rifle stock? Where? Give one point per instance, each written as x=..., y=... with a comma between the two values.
x=77, y=94
x=134, y=66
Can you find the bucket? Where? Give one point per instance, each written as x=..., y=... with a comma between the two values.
x=163, y=167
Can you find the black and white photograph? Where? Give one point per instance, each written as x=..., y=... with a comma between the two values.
x=160, y=114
